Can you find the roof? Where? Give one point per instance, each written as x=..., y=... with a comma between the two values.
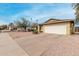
x=50, y=21
x=42, y=20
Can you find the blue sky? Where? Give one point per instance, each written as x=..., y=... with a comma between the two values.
x=14, y=11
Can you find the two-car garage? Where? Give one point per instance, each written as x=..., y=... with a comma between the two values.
x=55, y=28
x=58, y=26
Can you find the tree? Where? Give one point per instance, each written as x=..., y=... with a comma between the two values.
x=35, y=28
x=11, y=25
x=34, y=25
x=23, y=23
x=76, y=7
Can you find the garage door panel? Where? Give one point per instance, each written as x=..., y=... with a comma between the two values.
x=57, y=29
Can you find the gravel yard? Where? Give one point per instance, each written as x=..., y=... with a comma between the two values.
x=47, y=44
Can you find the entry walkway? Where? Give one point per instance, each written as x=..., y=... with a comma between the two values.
x=8, y=47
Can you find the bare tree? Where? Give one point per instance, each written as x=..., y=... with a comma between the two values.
x=23, y=23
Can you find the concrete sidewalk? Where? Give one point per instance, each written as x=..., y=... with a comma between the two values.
x=8, y=47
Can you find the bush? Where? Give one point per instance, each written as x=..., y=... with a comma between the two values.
x=35, y=31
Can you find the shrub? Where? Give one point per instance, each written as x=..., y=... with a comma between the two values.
x=35, y=31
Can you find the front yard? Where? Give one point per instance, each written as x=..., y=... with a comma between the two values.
x=47, y=44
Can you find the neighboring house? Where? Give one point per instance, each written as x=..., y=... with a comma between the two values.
x=77, y=28
x=12, y=28
x=57, y=26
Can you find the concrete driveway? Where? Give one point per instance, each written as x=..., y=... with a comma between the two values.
x=25, y=43
x=47, y=44
x=8, y=47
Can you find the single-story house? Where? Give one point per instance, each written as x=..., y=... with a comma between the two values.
x=77, y=28
x=56, y=26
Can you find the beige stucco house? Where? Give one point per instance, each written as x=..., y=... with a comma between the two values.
x=57, y=26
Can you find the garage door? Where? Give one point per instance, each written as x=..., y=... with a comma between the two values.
x=55, y=28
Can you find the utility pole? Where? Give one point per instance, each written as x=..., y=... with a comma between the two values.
x=31, y=22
